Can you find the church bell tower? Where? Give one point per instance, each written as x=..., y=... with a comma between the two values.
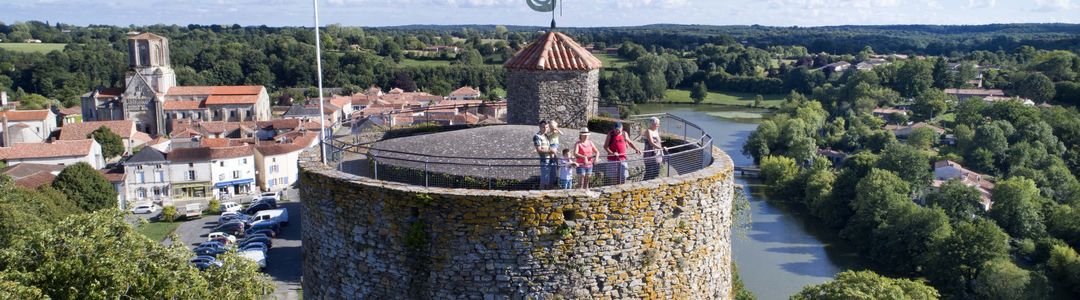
x=150, y=78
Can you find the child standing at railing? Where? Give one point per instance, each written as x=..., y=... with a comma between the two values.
x=566, y=170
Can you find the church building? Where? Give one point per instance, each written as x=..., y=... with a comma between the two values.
x=151, y=98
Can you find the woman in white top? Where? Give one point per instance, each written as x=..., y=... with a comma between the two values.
x=654, y=150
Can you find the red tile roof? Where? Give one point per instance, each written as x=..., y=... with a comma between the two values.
x=79, y=131
x=232, y=99
x=554, y=51
x=113, y=175
x=207, y=153
x=296, y=144
x=182, y=105
x=27, y=169
x=465, y=91
x=35, y=180
x=47, y=150
x=215, y=90
x=26, y=115
x=74, y=110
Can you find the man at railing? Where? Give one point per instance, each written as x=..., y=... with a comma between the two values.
x=543, y=149
x=615, y=145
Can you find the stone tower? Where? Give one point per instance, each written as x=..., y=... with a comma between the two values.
x=553, y=78
x=150, y=78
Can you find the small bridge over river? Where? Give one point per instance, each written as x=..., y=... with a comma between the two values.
x=748, y=171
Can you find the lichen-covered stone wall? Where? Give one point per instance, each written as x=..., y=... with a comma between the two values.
x=569, y=97
x=662, y=239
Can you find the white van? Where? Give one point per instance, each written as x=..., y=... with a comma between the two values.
x=230, y=207
x=280, y=215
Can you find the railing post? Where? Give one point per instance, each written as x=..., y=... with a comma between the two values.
x=376, y=166
x=426, y=162
x=489, y=175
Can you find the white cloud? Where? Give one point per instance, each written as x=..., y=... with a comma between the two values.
x=1052, y=5
x=630, y=4
x=982, y=3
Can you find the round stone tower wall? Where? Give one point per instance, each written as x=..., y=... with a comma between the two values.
x=667, y=238
x=569, y=97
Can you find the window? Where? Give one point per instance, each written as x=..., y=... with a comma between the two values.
x=222, y=163
x=191, y=165
x=140, y=177
x=159, y=175
x=273, y=169
x=273, y=159
x=221, y=177
x=157, y=191
x=158, y=166
x=272, y=182
x=191, y=175
x=235, y=174
x=139, y=167
x=245, y=161
x=140, y=192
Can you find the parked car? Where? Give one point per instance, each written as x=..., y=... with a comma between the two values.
x=254, y=246
x=257, y=207
x=259, y=257
x=230, y=207
x=275, y=227
x=233, y=228
x=145, y=208
x=274, y=195
x=229, y=217
x=222, y=237
x=255, y=235
x=205, y=262
x=264, y=231
x=280, y=215
x=261, y=240
x=212, y=248
x=268, y=200
x=192, y=210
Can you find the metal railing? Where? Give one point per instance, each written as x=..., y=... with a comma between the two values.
x=354, y=149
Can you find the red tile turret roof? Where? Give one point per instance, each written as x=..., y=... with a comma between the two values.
x=554, y=51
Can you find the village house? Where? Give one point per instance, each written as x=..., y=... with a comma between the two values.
x=870, y=64
x=62, y=153
x=836, y=67
x=464, y=93
x=1024, y=101
x=26, y=126
x=203, y=172
x=116, y=178
x=964, y=94
x=946, y=169
x=275, y=163
x=149, y=178
x=124, y=128
x=69, y=115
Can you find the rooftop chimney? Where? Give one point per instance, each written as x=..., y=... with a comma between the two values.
x=6, y=133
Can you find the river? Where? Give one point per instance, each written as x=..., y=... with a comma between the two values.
x=784, y=249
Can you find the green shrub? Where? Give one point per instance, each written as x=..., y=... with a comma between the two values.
x=214, y=207
x=169, y=213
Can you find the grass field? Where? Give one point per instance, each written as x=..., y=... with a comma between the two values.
x=723, y=98
x=612, y=61
x=425, y=63
x=157, y=231
x=25, y=47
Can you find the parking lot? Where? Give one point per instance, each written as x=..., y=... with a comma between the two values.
x=284, y=266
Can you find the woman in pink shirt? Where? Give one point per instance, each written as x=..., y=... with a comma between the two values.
x=586, y=154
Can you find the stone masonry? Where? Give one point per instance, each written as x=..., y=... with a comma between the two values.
x=667, y=238
x=569, y=97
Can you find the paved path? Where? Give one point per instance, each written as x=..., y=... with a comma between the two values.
x=285, y=264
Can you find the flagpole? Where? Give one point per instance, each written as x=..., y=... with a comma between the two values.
x=318, y=66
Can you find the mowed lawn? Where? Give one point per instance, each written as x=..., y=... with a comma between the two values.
x=612, y=61
x=724, y=98
x=157, y=231
x=27, y=47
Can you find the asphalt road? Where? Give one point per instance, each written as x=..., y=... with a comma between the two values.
x=285, y=265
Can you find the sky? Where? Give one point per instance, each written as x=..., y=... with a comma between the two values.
x=575, y=13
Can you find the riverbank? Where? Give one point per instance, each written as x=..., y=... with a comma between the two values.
x=678, y=96
x=784, y=249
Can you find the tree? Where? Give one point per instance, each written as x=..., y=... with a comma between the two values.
x=959, y=201
x=100, y=256
x=922, y=138
x=471, y=57
x=908, y=162
x=1001, y=279
x=958, y=258
x=780, y=174
x=1064, y=264
x=878, y=193
x=87, y=187
x=112, y=145
x=1016, y=207
x=759, y=101
x=918, y=77
x=699, y=92
x=930, y=104
x=1034, y=86
x=866, y=285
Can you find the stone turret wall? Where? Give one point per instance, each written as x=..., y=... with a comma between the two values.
x=569, y=97
x=661, y=239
